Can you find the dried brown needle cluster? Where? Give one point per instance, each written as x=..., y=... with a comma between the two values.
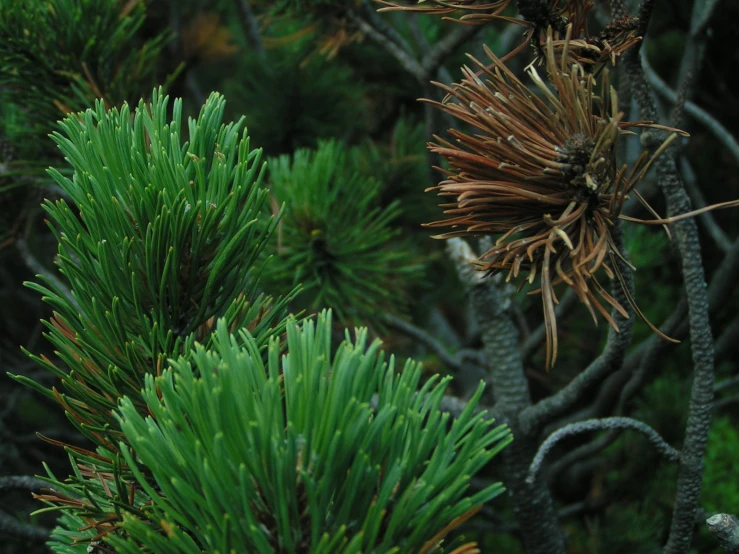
x=592, y=53
x=479, y=12
x=565, y=20
x=540, y=172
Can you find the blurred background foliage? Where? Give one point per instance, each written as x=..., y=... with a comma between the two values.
x=315, y=84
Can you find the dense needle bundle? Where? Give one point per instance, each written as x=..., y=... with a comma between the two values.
x=541, y=173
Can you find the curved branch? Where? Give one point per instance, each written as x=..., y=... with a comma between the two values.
x=589, y=425
x=9, y=526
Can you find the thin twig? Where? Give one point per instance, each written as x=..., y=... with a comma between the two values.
x=589, y=425
x=436, y=56
x=724, y=402
x=403, y=56
x=726, y=383
x=582, y=452
x=726, y=342
x=426, y=339
x=381, y=24
x=695, y=45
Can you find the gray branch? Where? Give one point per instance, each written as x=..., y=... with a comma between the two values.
x=590, y=425
x=701, y=402
x=725, y=528
x=721, y=133
x=696, y=196
x=426, y=339
x=250, y=27
x=436, y=56
x=9, y=526
x=403, y=56
x=492, y=305
x=21, y=482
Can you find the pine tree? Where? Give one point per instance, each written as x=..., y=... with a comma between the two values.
x=237, y=301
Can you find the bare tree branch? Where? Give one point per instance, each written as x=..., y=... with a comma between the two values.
x=533, y=503
x=436, y=56
x=725, y=527
x=426, y=339
x=9, y=526
x=701, y=402
x=403, y=56
x=589, y=425
x=726, y=342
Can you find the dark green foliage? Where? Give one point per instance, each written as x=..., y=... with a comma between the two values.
x=400, y=164
x=302, y=454
x=295, y=97
x=335, y=239
x=163, y=237
x=316, y=8
x=720, y=492
x=57, y=57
